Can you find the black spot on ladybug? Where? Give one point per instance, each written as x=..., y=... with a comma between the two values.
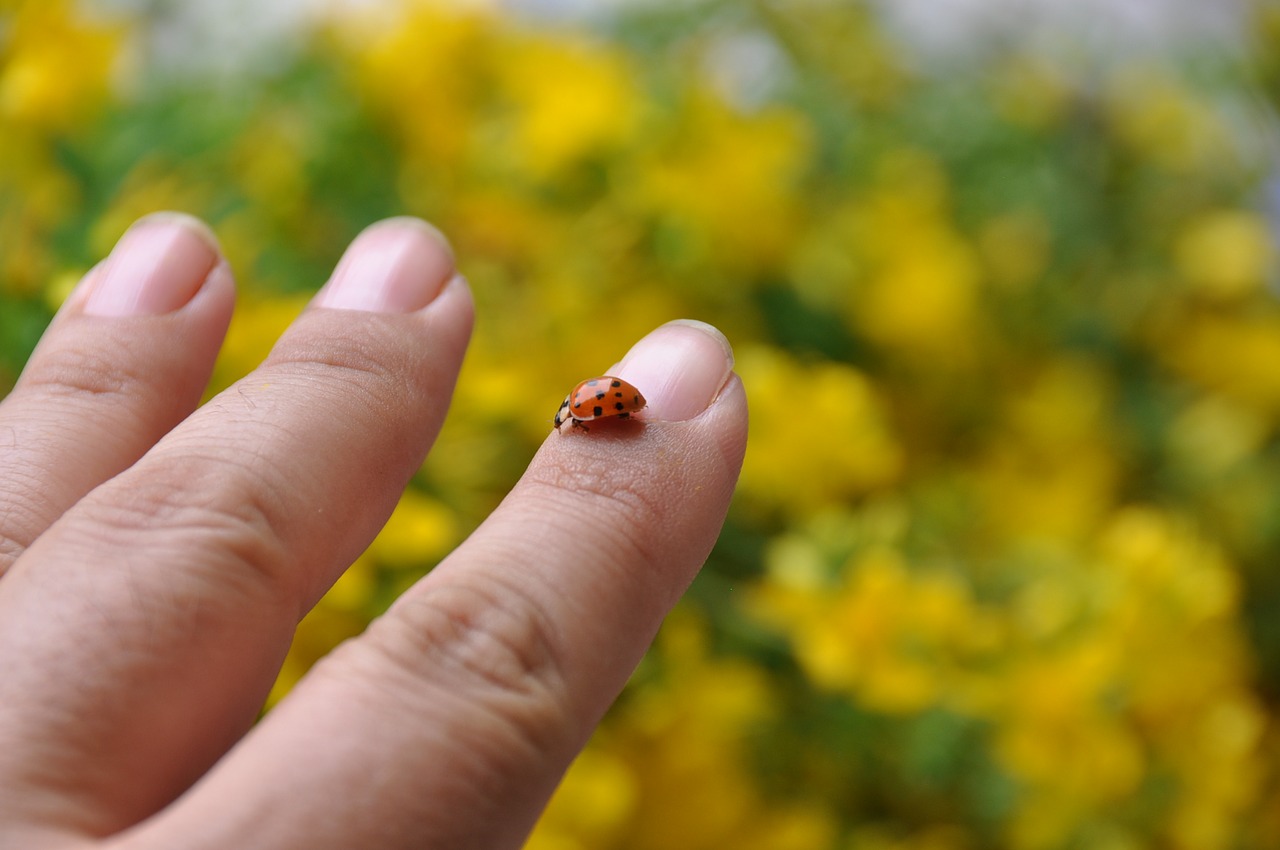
x=619, y=406
x=618, y=394
x=614, y=384
x=598, y=411
x=600, y=395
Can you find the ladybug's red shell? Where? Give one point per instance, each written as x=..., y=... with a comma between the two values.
x=597, y=398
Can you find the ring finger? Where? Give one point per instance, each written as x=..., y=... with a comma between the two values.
x=107, y=381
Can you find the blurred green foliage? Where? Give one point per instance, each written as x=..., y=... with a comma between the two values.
x=1001, y=569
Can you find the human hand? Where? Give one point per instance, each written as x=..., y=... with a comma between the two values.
x=156, y=560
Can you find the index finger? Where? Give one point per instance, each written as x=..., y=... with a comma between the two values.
x=450, y=721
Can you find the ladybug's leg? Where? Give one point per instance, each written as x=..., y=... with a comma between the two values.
x=578, y=423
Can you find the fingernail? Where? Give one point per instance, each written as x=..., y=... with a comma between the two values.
x=155, y=268
x=680, y=368
x=395, y=266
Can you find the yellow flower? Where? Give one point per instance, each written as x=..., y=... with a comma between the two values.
x=582, y=100
x=819, y=433
x=1049, y=472
x=54, y=66
x=1225, y=254
x=592, y=806
x=723, y=183
x=420, y=531
x=919, y=296
x=1231, y=354
x=255, y=326
x=339, y=615
x=670, y=767
x=1213, y=436
x=1015, y=248
x=423, y=66
x=150, y=186
x=1163, y=121
x=1029, y=92
x=890, y=637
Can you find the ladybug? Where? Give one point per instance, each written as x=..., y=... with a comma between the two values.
x=597, y=398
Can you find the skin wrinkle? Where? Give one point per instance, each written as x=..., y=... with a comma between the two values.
x=454, y=720
x=654, y=482
x=22, y=514
x=43, y=767
x=325, y=337
x=261, y=481
x=136, y=642
x=504, y=652
x=450, y=721
x=115, y=365
x=347, y=395
x=112, y=598
x=118, y=412
x=94, y=683
x=461, y=624
x=629, y=507
x=188, y=500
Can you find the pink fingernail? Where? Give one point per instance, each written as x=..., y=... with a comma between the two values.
x=155, y=268
x=395, y=266
x=680, y=368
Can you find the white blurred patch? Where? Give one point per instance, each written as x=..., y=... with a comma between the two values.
x=224, y=35
x=1073, y=30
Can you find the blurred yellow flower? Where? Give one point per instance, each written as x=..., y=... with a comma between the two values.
x=1015, y=248
x=1225, y=254
x=1162, y=121
x=1214, y=435
x=339, y=615
x=1049, y=470
x=255, y=326
x=920, y=296
x=886, y=635
x=417, y=65
x=420, y=531
x=1030, y=92
x=570, y=101
x=55, y=65
x=591, y=808
x=819, y=433
x=723, y=182
x=1230, y=354
x=682, y=737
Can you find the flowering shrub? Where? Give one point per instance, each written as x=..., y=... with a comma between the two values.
x=1000, y=572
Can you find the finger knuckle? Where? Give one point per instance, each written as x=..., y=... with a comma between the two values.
x=199, y=504
x=84, y=372
x=358, y=360
x=491, y=642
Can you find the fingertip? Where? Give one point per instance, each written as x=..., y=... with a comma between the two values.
x=397, y=265
x=681, y=368
x=156, y=267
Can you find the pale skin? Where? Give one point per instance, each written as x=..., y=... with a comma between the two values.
x=156, y=556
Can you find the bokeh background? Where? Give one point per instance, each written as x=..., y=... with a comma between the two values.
x=1003, y=570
